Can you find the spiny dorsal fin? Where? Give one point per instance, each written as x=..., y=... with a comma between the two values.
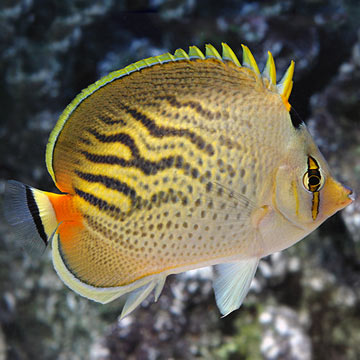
x=228, y=54
x=283, y=88
x=248, y=60
x=211, y=52
x=180, y=54
x=285, y=85
x=269, y=71
x=195, y=53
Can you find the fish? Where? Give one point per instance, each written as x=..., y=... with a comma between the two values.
x=173, y=163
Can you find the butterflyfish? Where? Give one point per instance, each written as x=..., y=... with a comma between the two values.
x=174, y=163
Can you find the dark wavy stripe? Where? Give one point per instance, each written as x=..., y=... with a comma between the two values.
x=162, y=131
x=85, y=141
x=109, y=182
x=34, y=211
x=121, y=137
x=146, y=166
x=96, y=201
x=108, y=120
x=194, y=105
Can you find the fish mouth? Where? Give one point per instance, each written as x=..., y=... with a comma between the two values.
x=351, y=195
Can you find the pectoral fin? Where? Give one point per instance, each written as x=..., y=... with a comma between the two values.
x=232, y=283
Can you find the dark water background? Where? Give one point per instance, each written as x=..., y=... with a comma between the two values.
x=306, y=301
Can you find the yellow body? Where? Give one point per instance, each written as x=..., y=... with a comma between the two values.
x=179, y=162
x=164, y=160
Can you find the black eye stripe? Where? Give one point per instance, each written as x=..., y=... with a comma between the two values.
x=313, y=175
x=314, y=172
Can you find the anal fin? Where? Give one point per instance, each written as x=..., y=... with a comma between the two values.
x=136, y=297
x=232, y=283
x=159, y=287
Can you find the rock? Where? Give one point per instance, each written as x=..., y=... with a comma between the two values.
x=284, y=335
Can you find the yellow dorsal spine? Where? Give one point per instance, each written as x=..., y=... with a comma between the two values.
x=195, y=53
x=248, y=60
x=269, y=71
x=211, y=52
x=165, y=58
x=228, y=54
x=286, y=83
x=180, y=54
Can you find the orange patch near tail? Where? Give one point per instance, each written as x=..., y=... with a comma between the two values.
x=67, y=215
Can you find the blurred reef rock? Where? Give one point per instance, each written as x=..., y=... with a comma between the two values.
x=304, y=303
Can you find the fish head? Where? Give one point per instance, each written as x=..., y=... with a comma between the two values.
x=305, y=192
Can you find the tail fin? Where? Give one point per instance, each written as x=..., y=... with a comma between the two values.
x=31, y=215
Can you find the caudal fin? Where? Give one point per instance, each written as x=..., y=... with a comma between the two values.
x=30, y=214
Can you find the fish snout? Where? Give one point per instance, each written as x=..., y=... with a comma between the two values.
x=335, y=197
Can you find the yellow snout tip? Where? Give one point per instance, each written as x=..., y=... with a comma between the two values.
x=335, y=197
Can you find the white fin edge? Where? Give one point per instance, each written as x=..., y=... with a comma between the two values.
x=136, y=297
x=232, y=283
x=159, y=287
x=102, y=295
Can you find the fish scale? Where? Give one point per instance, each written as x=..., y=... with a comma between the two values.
x=174, y=163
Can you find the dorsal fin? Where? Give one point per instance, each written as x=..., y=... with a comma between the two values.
x=286, y=83
x=228, y=54
x=249, y=61
x=269, y=71
x=195, y=53
x=180, y=54
x=268, y=76
x=211, y=52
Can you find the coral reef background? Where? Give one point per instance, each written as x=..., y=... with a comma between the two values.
x=305, y=302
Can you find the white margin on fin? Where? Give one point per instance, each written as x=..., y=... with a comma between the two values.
x=101, y=295
x=232, y=283
x=159, y=287
x=136, y=297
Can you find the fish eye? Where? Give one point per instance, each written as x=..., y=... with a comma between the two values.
x=313, y=181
